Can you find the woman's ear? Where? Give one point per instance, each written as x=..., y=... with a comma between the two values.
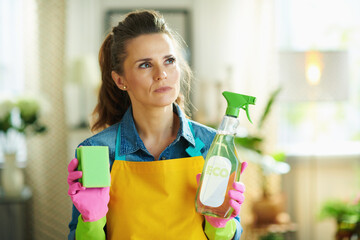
x=119, y=81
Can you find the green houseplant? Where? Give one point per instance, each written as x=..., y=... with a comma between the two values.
x=19, y=117
x=345, y=213
x=252, y=147
x=273, y=163
x=21, y=114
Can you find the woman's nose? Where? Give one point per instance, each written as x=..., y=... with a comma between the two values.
x=161, y=74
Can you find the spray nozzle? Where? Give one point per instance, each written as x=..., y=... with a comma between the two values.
x=236, y=101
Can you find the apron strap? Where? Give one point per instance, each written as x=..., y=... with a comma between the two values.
x=195, y=151
x=192, y=151
x=117, y=145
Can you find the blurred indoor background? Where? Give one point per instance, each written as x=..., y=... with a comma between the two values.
x=300, y=58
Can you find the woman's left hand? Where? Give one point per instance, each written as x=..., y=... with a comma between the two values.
x=236, y=199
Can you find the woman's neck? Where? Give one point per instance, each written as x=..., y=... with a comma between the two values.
x=157, y=127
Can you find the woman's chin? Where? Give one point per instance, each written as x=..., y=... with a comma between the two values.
x=165, y=100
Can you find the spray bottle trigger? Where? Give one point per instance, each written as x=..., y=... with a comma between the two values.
x=246, y=108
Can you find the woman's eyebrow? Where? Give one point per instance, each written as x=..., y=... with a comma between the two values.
x=143, y=60
x=169, y=56
x=149, y=59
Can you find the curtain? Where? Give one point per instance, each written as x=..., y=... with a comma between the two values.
x=47, y=154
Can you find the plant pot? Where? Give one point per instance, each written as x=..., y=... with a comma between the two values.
x=268, y=209
x=12, y=177
x=347, y=230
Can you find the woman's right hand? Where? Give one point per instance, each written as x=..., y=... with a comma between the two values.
x=90, y=202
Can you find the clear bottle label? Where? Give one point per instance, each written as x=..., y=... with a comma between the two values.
x=215, y=181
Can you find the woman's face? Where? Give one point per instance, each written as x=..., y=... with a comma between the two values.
x=151, y=72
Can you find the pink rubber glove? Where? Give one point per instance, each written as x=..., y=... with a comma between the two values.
x=91, y=202
x=236, y=199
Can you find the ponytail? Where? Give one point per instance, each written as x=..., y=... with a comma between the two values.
x=112, y=102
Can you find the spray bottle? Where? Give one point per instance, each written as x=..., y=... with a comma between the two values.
x=222, y=166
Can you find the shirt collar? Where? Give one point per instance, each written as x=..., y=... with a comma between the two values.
x=130, y=140
x=184, y=130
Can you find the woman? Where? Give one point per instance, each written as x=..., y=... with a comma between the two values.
x=156, y=153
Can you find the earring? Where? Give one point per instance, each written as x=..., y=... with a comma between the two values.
x=124, y=87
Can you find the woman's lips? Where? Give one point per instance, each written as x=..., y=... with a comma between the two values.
x=163, y=89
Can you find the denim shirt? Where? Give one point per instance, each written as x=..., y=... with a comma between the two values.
x=133, y=148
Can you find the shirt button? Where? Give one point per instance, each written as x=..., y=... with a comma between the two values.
x=163, y=158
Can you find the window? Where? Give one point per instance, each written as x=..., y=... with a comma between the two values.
x=11, y=47
x=331, y=126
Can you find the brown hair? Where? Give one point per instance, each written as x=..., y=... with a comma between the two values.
x=112, y=102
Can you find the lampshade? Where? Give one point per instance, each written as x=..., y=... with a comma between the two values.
x=313, y=75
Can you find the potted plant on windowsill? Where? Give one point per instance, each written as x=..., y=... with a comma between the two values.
x=346, y=214
x=269, y=207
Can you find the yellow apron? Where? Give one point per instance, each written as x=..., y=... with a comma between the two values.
x=155, y=200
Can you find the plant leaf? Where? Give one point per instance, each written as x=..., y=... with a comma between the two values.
x=279, y=156
x=268, y=107
x=250, y=142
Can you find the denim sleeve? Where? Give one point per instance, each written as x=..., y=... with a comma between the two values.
x=239, y=228
x=73, y=223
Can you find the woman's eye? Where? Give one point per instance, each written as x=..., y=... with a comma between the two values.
x=145, y=65
x=170, y=61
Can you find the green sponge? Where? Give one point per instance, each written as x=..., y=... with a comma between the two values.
x=94, y=163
